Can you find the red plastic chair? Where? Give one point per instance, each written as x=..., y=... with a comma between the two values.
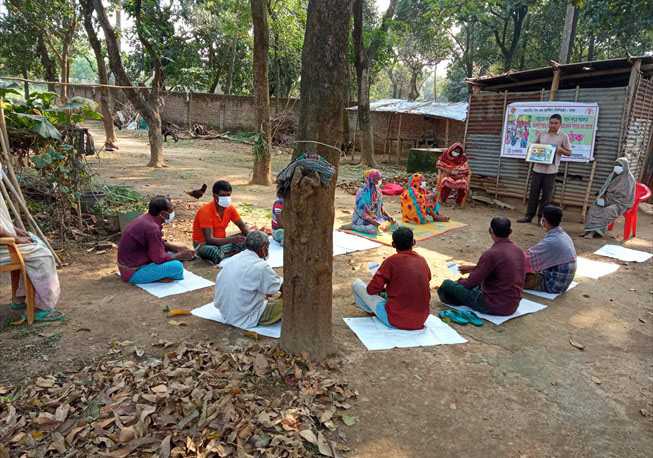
x=642, y=193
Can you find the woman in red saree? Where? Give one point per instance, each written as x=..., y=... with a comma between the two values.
x=453, y=164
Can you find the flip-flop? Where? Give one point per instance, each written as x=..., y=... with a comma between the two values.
x=15, y=306
x=454, y=316
x=43, y=315
x=472, y=318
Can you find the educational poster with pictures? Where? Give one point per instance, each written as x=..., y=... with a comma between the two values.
x=524, y=120
x=541, y=154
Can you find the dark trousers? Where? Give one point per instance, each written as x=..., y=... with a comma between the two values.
x=543, y=183
x=454, y=293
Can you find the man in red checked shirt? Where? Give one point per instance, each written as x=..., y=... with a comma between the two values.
x=405, y=278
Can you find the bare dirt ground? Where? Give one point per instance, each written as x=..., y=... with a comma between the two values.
x=519, y=389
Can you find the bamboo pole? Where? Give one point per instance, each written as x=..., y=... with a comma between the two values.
x=32, y=223
x=387, y=134
x=587, y=193
x=564, y=179
x=630, y=92
x=399, y=141
x=496, y=184
x=4, y=146
x=5, y=195
x=554, y=84
x=469, y=110
x=13, y=78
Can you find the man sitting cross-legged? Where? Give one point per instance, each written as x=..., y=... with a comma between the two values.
x=495, y=284
x=143, y=255
x=244, y=284
x=551, y=264
x=405, y=278
x=209, y=227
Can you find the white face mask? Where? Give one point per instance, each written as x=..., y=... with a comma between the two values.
x=423, y=185
x=455, y=153
x=618, y=169
x=380, y=184
x=224, y=201
x=171, y=216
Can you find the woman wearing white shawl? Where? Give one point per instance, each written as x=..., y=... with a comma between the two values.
x=615, y=197
x=40, y=265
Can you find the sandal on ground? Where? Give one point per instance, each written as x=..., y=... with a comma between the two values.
x=472, y=318
x=46, y=315
x=15, y=306
x=454, y=316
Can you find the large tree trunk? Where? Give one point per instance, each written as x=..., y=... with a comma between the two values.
x=234, y=48
x=277, y=74
x=105, y=102
x=25, y=83
x=590, y=50
x=262, y=172
x=308, y=211
x=363, y=79
x=147, y=107
x=568, y=33
x=49, y=65
x=414, y=90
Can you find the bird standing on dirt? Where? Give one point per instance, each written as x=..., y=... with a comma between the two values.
x=197, y=193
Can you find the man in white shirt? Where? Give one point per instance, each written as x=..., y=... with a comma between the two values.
x=543, y=178
x=244, y=284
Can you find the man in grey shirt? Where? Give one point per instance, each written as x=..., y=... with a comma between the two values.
x=543, y=178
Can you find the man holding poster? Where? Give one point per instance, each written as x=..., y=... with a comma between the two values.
x=543, y=176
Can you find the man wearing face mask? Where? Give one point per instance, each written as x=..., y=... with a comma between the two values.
x=244, y=284
x=543, y=178
x=209, y=227
x=143, y=255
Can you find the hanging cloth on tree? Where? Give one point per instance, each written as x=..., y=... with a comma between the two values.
x=312, y=162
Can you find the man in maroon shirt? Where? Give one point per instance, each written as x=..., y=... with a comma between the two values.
x=143, y=255
x=495, y=284
x=405, y=278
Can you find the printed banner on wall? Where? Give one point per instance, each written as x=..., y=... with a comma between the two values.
x=524, y=120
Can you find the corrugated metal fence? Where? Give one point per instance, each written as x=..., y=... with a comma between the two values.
x=483, y=144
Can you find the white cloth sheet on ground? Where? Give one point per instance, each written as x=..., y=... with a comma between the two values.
x=377, y=336
x=342, y=243
x=209, y=312
x=525, y=307
x=550, y=296
x=594, y=269
x=191, y=282
x=623, y=254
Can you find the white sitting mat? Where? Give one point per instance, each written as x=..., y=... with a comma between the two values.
x=594, y=269
x=550, y=296
x=342, y=243
x=377, y=336
x=623, y=254
x=209, y=312
x=191, y=282
x=525, y=307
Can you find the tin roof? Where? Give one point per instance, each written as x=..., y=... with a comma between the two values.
x=455, y=111
x=598, y=73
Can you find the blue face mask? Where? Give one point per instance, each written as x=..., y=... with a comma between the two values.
x=171, y=216
x=618, y=169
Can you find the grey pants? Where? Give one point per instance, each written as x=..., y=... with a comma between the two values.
x=543, y=183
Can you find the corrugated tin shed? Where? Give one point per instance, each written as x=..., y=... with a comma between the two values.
x=455, y=111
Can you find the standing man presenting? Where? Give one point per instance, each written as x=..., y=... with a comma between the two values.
x=543, y=178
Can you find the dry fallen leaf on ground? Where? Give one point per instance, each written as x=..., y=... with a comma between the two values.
x=576, y=344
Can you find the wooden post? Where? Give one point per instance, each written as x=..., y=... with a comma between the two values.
x=469, y=110
x=446, y=133
x=399, y=141
x=587, y=192
x=387, y=133
x=503, y=114
x=564, y=179
x=188, y=108
x=528, y=177
x=476, y=89
x=630, y=92
x=554, y=84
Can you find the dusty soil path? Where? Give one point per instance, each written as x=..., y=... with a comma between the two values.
x=519, y=389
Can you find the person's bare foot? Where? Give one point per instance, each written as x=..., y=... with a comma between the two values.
x=441, y=219
x=589, y=235
x=166, y=280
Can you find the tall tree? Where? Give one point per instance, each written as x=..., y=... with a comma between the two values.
x=568, y=33
x=308, y=210
x=146, y=103
x=364, y=57
x=506, y=22
x=107, y=120
x=262, y=173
